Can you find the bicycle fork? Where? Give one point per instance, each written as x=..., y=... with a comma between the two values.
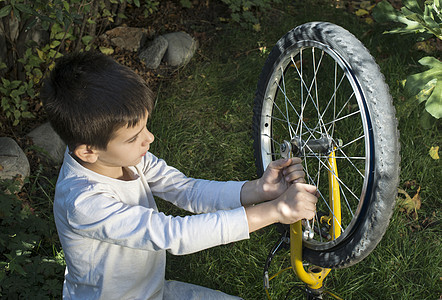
x=314, y=276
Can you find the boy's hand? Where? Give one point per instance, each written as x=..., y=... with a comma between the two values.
x=296, y=203
x=279, y=175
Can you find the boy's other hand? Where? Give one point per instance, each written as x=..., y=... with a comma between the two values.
x=277, y=178
x=279, y=175
x=296, y=203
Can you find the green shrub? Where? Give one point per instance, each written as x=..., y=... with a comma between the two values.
x=13, y=100
x=31, y=262
x=245, y=12
x=71, y=24
x=424, y=19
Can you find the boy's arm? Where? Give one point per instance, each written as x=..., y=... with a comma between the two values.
x=100, y=215
x=193, y=195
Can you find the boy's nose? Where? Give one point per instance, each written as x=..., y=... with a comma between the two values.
x=148, y=137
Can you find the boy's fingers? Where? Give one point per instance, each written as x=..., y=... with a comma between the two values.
x=285, y=162
x=295, y=177
x=299, y=180
x=308, y=188
x=280, y=163
x=292, y=168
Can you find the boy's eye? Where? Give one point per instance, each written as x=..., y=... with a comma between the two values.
x=133, y=139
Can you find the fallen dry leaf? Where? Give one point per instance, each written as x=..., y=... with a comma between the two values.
x=361, y=12
x=410, y=205
x=434, y=152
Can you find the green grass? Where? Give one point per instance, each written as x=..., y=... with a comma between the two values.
x=202, y=125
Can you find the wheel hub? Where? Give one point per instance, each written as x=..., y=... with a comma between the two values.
x=297, y=146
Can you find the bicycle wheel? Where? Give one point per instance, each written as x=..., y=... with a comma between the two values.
x=321, y=94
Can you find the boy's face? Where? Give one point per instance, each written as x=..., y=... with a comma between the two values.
x=125, y=149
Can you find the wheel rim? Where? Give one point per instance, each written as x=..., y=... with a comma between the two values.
x=313, y=97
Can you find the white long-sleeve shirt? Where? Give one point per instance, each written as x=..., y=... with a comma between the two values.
x=114, y=238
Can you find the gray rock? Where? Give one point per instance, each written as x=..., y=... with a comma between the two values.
x=181, y=48
x=128, y=38
x=46, y=138
x=13, y=160
x=154, y=52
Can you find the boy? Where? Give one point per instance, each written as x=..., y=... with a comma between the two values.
x=113, y=236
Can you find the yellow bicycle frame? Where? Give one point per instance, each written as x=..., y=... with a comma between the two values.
x=315, y=276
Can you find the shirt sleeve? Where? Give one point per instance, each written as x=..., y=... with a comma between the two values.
x=194, y=195
x=101, y=216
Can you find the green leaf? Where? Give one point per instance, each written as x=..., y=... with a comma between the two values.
x=413, y=6
x=54, y=44
x=16, y=267
x=87, y=39
x=236, y=17
x=106, y=50
x=59, y=15
x=434, y=102
x=426, y=120
x=122, y=16
x=6, y=82
x=15, y=84
x=17, y=92
x=426, y=91
x=5, y=11
x=437, y=4
x=17, y=114
x=66, y=5
x=385, y=12
x=27, y=114
x=186, y=3
x=32, y=24
x=5, y=103
x=427, y=86
x=45, y=25
x=60, y=36
x=24, y=8
x=16, y=13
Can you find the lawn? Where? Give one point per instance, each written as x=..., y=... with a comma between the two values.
x=202, y=125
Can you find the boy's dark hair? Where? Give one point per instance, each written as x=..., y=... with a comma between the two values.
x=88, y=96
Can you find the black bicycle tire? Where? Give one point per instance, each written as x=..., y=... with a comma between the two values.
x=376, y=215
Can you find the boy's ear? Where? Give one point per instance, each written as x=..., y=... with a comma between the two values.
x=86, y=153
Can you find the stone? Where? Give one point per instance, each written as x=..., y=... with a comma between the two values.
x=48, y=140
x=127, y=38
x=181, y=48
x=154, y=52
x=13, y=160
